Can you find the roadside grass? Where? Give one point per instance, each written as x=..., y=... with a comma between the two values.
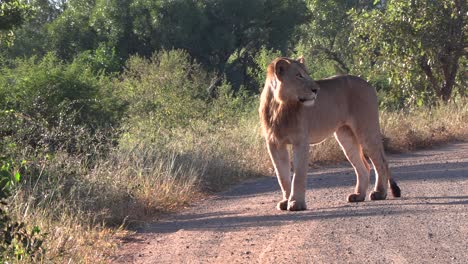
x=425, y=127
x=84, y=207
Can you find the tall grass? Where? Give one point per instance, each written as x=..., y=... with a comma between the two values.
x=82, y=209
x=423, y=127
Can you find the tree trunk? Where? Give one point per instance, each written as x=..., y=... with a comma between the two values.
x=450, y=72
x=428, y=71
x=454, y=47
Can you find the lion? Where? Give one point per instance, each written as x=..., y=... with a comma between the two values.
x=296, y=110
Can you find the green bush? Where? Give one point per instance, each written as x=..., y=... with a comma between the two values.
x=49, y=88
x=103, y=59
x=168, y=89
x=169, y=93
x=47, y=101
x=16, y=241
x=258, y=71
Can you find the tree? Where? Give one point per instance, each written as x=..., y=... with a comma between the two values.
x=222, y=35
x=71, y=32
x=213, y=30
x=418, y=43
x=12, y=13
x=326, y=35
x=31, y=35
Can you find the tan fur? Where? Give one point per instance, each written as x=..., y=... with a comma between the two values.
x=296, y=110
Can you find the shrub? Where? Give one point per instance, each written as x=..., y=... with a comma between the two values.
x=46, y=101
x=167, y=90
x=17, y=243
x=262, y=59
x=49, y=88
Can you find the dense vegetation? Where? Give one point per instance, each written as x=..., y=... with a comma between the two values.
x=111, y=110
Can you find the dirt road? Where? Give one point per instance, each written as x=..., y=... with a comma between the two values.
x=429, y=224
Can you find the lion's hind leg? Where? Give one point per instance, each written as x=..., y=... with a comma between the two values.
x=353, y=151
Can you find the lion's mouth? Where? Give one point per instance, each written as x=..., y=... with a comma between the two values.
x=307, y=101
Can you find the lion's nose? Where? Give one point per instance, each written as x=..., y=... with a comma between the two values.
x=315, y=89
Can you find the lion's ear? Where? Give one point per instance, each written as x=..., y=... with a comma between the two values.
x=281, y=66
x=301, y=59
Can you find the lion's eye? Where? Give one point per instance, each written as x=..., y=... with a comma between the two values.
x=299, y=76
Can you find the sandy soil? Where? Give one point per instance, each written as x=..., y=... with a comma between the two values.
x=429, y=224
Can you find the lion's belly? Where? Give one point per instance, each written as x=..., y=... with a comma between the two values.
x=323, y=125
x=319, y=135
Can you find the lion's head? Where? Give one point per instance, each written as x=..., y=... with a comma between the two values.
x=290, y=82
x=288, y=89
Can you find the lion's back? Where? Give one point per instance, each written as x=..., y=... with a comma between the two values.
x=350, y=89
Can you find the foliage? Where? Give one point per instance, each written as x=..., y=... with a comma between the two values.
x=326, y=35
x=417, y=44
x=167, y=89
x=101, y=60
x=169, y=92
x=50, y=94
x=30, y=38
x=143, y=27
x=222, y=26
x=16, y=242
x=262, y=59
x=12, y=14
x=71, y=33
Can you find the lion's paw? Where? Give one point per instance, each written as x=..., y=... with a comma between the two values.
x=296, y=205
x=375, y=195
x=282, y=205
x=356, y=197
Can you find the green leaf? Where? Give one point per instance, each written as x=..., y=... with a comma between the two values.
x=420, y=102
x=35, y=230
x=17, y=176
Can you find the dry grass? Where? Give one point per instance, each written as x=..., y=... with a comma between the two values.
x=425, y=127
x=83, y=210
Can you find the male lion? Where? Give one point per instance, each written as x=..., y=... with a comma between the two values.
x=296, y=110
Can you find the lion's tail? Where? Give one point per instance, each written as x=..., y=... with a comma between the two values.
x=396, y=192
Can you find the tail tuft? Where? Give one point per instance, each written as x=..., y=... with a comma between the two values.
x=396, y=192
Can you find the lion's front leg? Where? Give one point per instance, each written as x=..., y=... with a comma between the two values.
x=280, y=158
x=296, y=200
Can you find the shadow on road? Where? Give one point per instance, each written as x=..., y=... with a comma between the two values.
x=234, y=220
x=222, y=221
x=450, y=171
